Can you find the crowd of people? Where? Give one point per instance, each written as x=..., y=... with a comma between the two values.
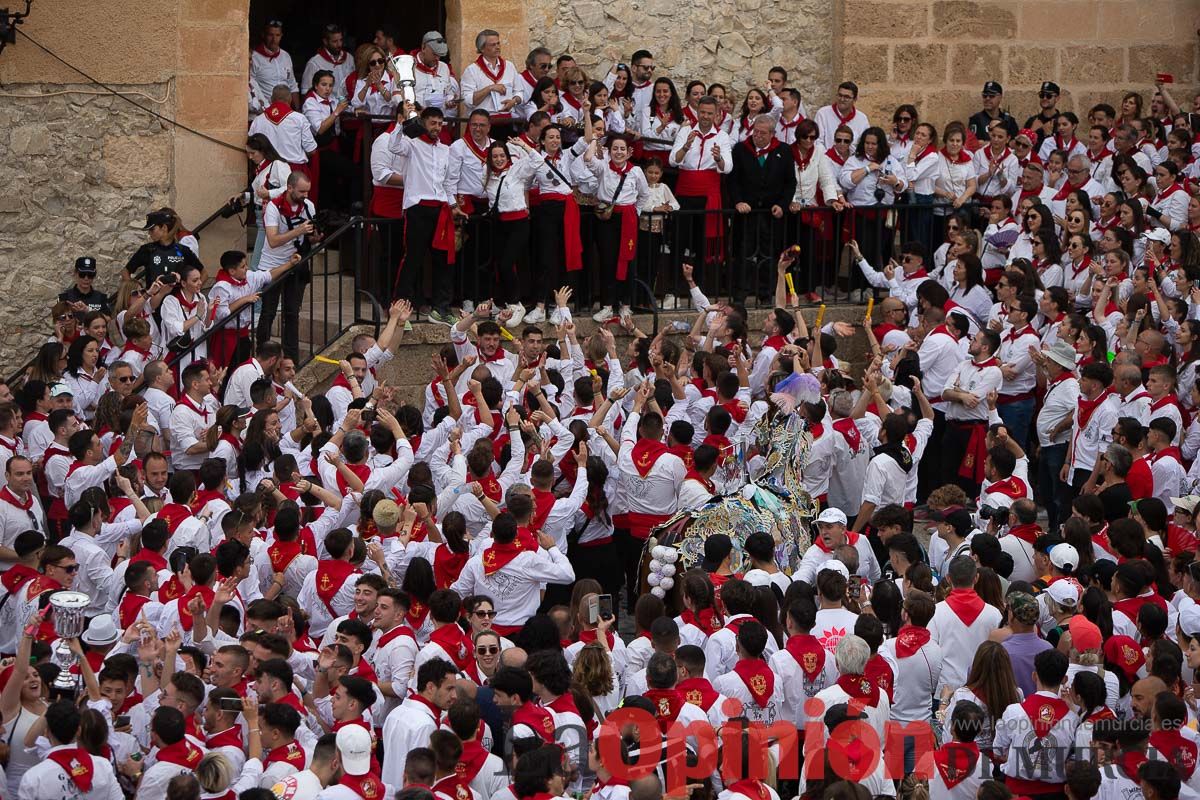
x=345, y=595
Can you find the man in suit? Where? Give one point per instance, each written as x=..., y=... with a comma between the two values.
x=761, y=186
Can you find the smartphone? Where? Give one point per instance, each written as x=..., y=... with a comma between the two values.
x=170, y=278
x=1153, y=211
x=593, y=611
x=1164, y=77
x=231, y=704
x=605, y=604
x=121, y=721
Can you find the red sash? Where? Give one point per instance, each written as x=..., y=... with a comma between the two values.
x=331, y=575
x=758, y=677
x=667, y=705
x=966, y=605
x=704, y=183
x=1044, y=712
x=77, y=763
x=806, y=649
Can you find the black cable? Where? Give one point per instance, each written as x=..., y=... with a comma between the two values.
x=124, y=97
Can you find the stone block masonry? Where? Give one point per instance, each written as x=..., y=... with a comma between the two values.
x=81, y=170
x=938, y=54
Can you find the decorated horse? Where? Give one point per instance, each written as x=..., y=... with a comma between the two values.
x=761, y=491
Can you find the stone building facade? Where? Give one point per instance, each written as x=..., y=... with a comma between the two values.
x=81, y=167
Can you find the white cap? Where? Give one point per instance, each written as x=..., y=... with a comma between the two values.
x=354, y=746
x=833, y=565
x=832, y=516
x=1160, y=235
x=757, y=577
x=1187, y=503
x=1064, y=556
x=1065, y=593
x=1189, y=619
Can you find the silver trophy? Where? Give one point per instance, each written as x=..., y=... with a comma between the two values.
x=405, y=75
x=69, y=624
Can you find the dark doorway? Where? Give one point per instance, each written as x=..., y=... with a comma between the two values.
x=304, y=20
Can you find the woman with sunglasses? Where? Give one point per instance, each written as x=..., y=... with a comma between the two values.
x=1078, y=221
x=955, y=225
x=370, y=87
x=904, y=124
x=574, y=97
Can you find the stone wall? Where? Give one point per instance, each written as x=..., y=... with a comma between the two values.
x=728, y=41
x=937, y=55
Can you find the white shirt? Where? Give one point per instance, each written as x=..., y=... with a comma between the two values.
x=227, y=292
x=923, y=174
x=1014, y=352
x=436, y=89
x=276, y=217
x=863, y=192
x=474, y=79
x=816, y=556
x=916, y=678
x=95, y=571
x=720, y=651
x=1003, y=178
x=187, y=429
x=303, y=785
x=406, y=728
x=506, y=192
x=634, y=190
x=267, y=72
x=316, y=111
x=425, y=163
x=46, y=780
x=886, y=481
x=800, y=688
x=828, y=121
x=819, y=174
x=341, y=68
x=291, y=136
x=959, y=641
x=516, y=587
x=1094, y=436
x=1062, y=397
x=977, y=380
x=732, y=685
x=699, y=156
x=237, y=392
x=655, y=127
x=1014, y=734
x=385, y=163
x=465, y=168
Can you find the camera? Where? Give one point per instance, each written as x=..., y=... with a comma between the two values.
x=993, y=514
x=235, y=206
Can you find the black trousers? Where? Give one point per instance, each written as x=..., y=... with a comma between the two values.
x=608, y=236
x=689, y=236
x=929, y=469
x=511, y=265
x=629, y=553
x=758, y=239
x=291, y=291
x=420, y=224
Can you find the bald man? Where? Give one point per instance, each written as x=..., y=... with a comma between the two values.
x=1143, y=695
x=891, y=332
x=1133, y=399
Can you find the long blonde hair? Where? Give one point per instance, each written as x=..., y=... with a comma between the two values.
x=593, y=670
x=362, y=57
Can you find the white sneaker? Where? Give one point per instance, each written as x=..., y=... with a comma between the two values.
x=518, y=315
x=538, y=314
x=556, y=317
x=626, y=312
x=468, y=307
x=603, y=315
x=669, y=302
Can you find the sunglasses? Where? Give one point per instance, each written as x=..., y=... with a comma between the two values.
x=126, y=379
x=1046, y=95
x=71, y=570
x=988, y=95
x=375, y=61
x=647, y=67
x=485, y=614
x=274, y=23
x=842, y=141
x=810, y=137
x=903, y=119
x=490, y=650
x=575, y=83
x=543, y=67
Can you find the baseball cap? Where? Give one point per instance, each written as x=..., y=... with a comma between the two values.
x=992, y=87
x=1187, y=503
x=61, y=389
x=85, y=265
x=386, y=513
x=957, y=517
x=354, y=746
x=1050, y=87
x=832, y=516
x=159, y=218
x=436, y=42
x=1064, y=556
x=833, y=565
x=1084, y=633
x=1160, y=235
x=1065, y=593
x=717, y=548
x=1125, y=653
x=1189, y=620
x=757, y=577
x=1024, y=608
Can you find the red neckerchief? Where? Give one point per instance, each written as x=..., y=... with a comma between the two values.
x=281, y=554
x=751, y=788
x=1044, y=712
x=622, y=169
x=851, y=539
x=835, y=156
x=809, y=654
x=850, y=432
x=570, y=100
x=200, y=411
x=1167, y=452
x=456, y=645
x=276, y=112
x=171, y=590
x=206, y=496
x=1088, y=407
x=966, y=605
x=393, y=634
x=910, y=639
x=722, y=443
x=417, y=612
x=481, y=154
x=698, y=692
x=690, y=116
x=447, y=564
x=987, y=151
x=1069, y=146
x=591, y=635
x=1179, y=751
x=1027, y=533
x=367, y=786
x=860, y=688
x=707, y=620
x=223, y=276
x=154, y=559
x=17, y=575
x=929, y=150
x=758, y=678
x=185, y=616
x=1167, y=192
x=846, y=119
x=496, y=557
x=538, y=719
x=532, y=81
x=337, y=62
x=491, y=486
x=261, y=167
x=183, y=753
x=78, y=764
x=1014, y=334
x=963, y=156
x=494, y=77
x=230, y=737
x=708, y=485
x=1067, y=188
x=7, y=496
x=129, y=608
x=289, y=753
x=1129, y=762
x=667, y=705
x=330, y=577
x=174, y=514
x=880, y=673
x=646, y=453
x=1086, y=263
x=262, y=50
x=361, y=471
x=955, y=761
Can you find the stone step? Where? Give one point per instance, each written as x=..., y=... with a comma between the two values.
x=409, y=370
